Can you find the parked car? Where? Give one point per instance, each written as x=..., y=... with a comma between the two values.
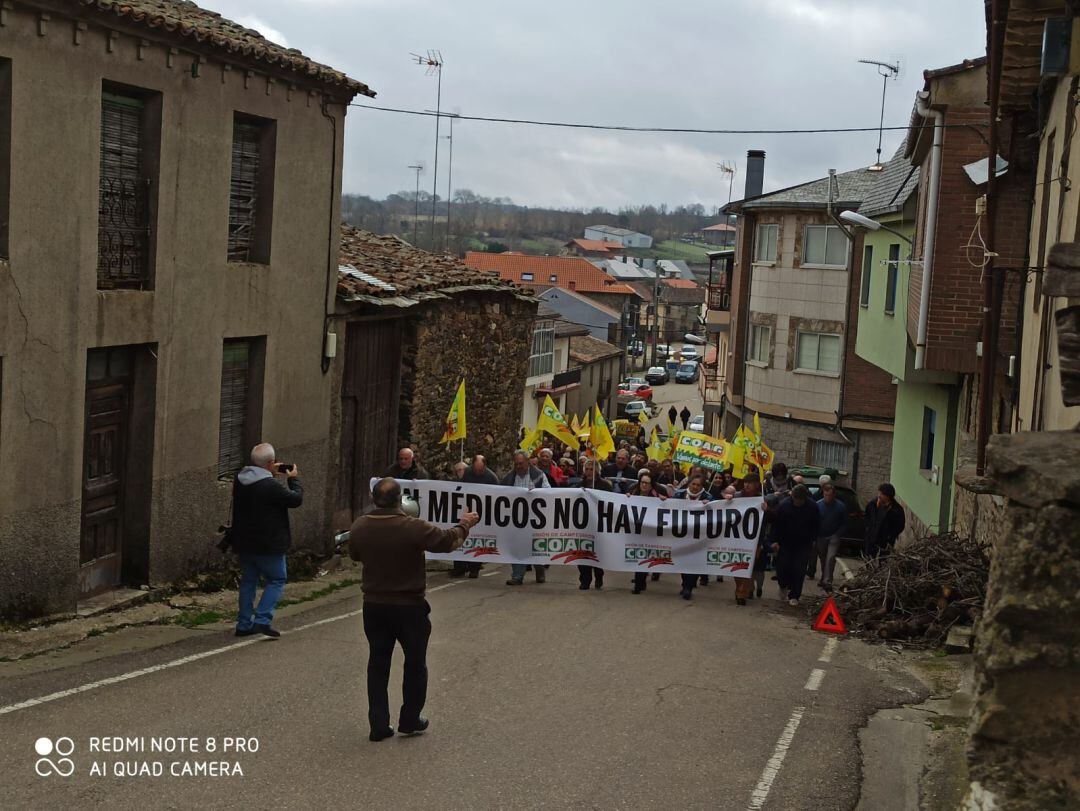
x=657, y=376
x=636, y=349
x=640, y=390
x=689, y=352
x=663, y=350
x=688, y=372
x=635, y=409
x=697, y=424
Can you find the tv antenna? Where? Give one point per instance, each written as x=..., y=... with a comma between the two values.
x=887, y=70
x=433, y=62
x=727, y=168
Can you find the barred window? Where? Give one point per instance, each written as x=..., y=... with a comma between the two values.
x=823, y=453
x=123, y=194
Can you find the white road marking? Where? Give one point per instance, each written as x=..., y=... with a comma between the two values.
x=185, y=660
x=814, y=682
x=844, y=569
x=492, y=572
x=772, y=768
x=830, y=648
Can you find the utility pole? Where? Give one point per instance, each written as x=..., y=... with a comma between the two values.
x=418, y=167
x=656, y=312
x=449, y=173
x=434, y=64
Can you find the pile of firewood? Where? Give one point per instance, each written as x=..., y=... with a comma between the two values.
x=919, y=591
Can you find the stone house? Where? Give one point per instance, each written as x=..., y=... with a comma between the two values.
x=410, y=325
x=159, y=313
x=551, y=372
x=791, y=358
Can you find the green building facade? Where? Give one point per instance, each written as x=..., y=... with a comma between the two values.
x=924, y=444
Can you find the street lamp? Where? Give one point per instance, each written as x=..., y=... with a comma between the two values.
x=859, y=221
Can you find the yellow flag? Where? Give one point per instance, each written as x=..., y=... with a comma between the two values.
x=600, y=436
x=531, y=441
x=455, y=420
x=553, y=422
x=583, y=428
x=737, y=456
x=575, y=426
x=656, y=448
x=757, y=425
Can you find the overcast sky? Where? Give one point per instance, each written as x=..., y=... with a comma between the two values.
x=717, y=64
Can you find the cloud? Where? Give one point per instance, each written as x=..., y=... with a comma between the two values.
x=272, y=34
x=736, y=64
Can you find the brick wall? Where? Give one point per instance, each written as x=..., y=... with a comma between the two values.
x=956, y=295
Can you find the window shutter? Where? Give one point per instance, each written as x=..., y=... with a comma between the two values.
x=123, y=221
x=235, y=376
x=243, y=190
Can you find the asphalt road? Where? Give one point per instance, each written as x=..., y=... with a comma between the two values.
x=540, y=697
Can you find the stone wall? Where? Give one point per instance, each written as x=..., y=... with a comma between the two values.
x=1025, y=745
x=485, y=338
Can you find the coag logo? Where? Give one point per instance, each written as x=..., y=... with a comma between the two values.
x=478, y=547
x=648, y=556
x=62, y=765
x=729, y=560
x=567, y=550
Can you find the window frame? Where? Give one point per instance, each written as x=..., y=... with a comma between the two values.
x=257, y=249
x=824, y=263
x=928, y=442
x=541, y=350
x=751, y=357
x=774, y=242
x=127, y=217
x=892, y=278
x=230, y=460
x=799, y=334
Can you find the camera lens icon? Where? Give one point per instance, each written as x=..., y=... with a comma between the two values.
x=62, y=765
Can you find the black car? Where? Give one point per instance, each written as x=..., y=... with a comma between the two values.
x=657, y=376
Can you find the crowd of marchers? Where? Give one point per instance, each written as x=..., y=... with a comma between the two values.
x=800, y=534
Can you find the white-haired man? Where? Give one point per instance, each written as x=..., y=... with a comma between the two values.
x=406, y=467
x=261, y=537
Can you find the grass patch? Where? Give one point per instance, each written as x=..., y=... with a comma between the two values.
x=315, y=595
x=193, y=619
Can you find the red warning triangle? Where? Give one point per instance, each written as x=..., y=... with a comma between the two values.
x=829, y=619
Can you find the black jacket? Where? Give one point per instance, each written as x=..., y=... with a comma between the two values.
x=260, y=515
x=487, y=477
x=883, y=526
x=795, y=528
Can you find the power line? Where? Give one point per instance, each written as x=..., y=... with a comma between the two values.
x=624, y=128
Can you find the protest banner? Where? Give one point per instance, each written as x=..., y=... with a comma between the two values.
x=702, y=450
x=572, y=525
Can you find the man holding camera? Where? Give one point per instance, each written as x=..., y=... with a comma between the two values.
x=261, y=537
x=391, y=547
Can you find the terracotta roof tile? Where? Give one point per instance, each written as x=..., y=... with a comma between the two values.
x=685, y=284
x=569, y=272
x=375, y=266
x=184, y=20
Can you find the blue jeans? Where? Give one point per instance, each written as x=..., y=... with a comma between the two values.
x=272, y=570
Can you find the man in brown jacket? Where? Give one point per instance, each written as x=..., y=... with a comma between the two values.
x=391, y=547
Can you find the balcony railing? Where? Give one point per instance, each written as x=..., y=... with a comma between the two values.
x=719, y=298
x=569, y=377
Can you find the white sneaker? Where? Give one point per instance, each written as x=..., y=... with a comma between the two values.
x=793, y=602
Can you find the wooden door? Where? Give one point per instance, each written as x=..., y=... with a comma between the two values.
x=370, y=405
x=108, y=404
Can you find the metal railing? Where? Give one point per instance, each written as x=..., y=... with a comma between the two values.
x=719, y=298
x=123, y=233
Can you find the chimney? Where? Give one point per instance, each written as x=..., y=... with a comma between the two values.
x=755, y=173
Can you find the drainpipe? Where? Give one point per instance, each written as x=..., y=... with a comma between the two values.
x=922, y=106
